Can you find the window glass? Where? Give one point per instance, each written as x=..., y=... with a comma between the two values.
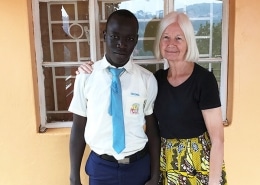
x=206, y=18
x=148, y=17
x=64, y=37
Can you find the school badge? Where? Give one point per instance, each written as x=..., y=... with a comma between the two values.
x=134, y=108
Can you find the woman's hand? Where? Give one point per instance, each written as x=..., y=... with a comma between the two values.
x=85, y=68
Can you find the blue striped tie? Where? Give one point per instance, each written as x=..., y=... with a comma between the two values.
x=116, y=110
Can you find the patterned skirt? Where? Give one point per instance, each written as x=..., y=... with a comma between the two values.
x=186, y=161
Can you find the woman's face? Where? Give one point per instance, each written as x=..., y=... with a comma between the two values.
x=173, y=45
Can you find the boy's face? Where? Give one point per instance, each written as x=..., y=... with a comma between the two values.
x=121, y=38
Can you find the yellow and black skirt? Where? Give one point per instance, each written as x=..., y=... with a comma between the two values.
x=186, y=161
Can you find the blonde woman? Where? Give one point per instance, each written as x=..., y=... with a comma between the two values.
x=188, y=109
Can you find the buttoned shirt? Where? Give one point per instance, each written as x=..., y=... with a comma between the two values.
x=91, y=99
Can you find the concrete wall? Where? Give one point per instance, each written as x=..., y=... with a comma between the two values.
x=30, y=158
x=242, y=137
x=26, y=157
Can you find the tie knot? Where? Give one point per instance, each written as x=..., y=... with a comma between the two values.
x=116, y=71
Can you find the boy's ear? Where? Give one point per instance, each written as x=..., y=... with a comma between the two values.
x=104, y=34
x=137, y=36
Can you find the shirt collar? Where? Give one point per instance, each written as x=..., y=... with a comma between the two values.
x=128, y=66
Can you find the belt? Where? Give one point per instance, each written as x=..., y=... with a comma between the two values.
x=128, y=159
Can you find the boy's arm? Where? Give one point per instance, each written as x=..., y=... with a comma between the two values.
x=76, y=148
x=154, y=145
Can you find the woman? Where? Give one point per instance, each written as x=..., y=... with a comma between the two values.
x=188, y=109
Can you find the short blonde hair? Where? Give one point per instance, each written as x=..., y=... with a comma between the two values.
x=184, y=22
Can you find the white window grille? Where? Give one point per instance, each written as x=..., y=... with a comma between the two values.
x=210, y=21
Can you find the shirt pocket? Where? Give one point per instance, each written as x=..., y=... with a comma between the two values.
x=134, y=106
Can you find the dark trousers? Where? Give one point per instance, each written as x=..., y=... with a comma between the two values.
x=102, y=172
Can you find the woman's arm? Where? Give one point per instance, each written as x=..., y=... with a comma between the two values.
x=213, y=121
x=85, y=68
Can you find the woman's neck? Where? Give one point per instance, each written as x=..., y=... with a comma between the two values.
x=179, y=72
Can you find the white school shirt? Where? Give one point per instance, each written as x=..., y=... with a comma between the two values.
x=91, y=99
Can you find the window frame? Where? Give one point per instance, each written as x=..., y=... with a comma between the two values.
x=224, y=58
x=95, y=54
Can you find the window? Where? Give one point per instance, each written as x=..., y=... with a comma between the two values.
x=210, y=22
x=68, y=33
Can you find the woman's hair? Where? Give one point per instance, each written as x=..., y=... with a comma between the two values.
x=184, y=22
